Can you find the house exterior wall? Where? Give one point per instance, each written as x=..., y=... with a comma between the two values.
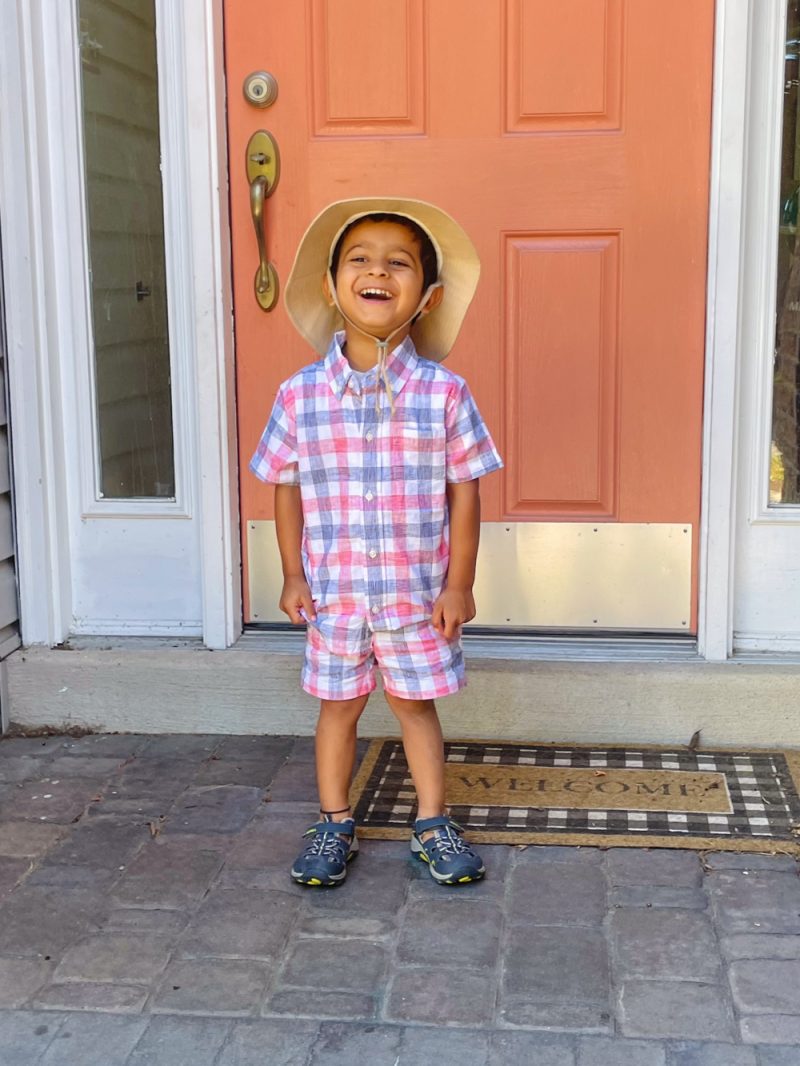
x=9, y=600
x=583, y=690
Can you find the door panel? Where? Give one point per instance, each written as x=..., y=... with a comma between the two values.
x=358, y=98
x=572, y=142
x=564, y=70
x=553, y=352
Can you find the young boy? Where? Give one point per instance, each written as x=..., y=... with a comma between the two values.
x=375, y=452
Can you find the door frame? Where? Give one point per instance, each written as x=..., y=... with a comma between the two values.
x=765, y=616
x=27, y=51
x=727, y=201
x=747, y=129
x=46, y=315
x=42, y=535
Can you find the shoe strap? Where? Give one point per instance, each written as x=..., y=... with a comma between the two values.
x=345, y=828
x=439, y=821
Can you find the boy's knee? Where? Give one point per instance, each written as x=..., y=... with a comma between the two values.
x=344, y=708
x=404, y=708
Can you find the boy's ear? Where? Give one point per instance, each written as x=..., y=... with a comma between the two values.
x=326, y=290
x=433, y=300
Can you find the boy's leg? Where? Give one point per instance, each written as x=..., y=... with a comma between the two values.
x=331, y=843
x=418, y=665
x=343, y=683
x=336, y=753
x=424, y=748
x=436, y=838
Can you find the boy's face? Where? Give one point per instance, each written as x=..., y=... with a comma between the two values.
x=379, y=279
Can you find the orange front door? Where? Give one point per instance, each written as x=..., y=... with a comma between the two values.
x=572, y=142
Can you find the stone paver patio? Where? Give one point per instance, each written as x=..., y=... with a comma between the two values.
x=147, y=917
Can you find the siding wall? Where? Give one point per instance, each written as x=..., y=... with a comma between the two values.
x=9, y=600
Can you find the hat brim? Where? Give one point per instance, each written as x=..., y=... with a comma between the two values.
x=433, y=334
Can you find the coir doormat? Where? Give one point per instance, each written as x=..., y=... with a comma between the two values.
x=511, y=793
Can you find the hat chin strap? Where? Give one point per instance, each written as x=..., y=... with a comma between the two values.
x=382, y=345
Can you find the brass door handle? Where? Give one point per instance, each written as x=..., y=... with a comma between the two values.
x=263, y=170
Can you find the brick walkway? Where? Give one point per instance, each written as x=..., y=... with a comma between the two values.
x=192, y=947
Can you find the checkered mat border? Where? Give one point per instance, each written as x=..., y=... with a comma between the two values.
x=763, y=788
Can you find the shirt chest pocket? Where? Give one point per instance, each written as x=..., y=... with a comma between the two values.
x=417, y=452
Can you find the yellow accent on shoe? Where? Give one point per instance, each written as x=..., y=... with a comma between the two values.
x=463, y=880
x=313, y=881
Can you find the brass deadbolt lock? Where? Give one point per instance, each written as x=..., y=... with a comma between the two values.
x=260, y=89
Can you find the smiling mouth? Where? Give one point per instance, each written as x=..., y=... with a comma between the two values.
x=375, y=294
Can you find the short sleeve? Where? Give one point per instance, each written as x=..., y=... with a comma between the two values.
x=470, y=449
x=275, y=458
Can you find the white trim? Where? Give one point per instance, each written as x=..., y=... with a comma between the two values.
x=29, y=77
x=217, y=449
x=81, y=351
x=778, y=514
x=717, y=525
x=763, y=185
x=775, y=646
x=763, y=205
x=767, y=564
x=161, y=627
x=176, y=170
x=142, y=507
x=47, y=319
x=109, y=558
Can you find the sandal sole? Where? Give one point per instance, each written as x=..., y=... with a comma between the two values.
x=444, y=879
x=318, y=882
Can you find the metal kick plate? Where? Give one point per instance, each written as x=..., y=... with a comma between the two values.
x=549, y=575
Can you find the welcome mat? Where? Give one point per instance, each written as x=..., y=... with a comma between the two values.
x=511, y=793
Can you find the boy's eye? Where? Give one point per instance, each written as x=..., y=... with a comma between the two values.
x=399, y=262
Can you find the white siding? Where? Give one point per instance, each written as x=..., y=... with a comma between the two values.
x=9, y=599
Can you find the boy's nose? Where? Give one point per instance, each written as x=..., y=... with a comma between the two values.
x=379, y=268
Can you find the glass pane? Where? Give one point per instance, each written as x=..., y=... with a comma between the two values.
x=126, y=247
x=784, y=483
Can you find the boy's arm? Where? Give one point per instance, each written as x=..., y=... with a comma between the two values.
x=456, y=604
x=289, y=527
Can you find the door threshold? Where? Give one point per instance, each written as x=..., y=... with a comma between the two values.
x=513, y=645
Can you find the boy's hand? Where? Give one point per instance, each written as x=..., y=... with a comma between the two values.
x=454, y=607
x=296, y=595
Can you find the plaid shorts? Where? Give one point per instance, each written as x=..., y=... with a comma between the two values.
x=416, y=663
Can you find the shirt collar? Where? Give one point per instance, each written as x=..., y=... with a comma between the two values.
x=400, y=365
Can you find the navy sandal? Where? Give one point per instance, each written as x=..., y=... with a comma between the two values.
x=323, y=861
x=451, y=861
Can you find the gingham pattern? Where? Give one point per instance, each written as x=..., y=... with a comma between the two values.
x=763, y=794
x=416, y=663
x=373, y=483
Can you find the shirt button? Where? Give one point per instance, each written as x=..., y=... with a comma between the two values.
x=373, y=554
x=367, y=495
x=370, y=436
x=375, y=610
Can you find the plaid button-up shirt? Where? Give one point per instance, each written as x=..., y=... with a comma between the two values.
x=373, y=485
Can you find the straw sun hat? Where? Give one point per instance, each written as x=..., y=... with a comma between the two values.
x=459, y=268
